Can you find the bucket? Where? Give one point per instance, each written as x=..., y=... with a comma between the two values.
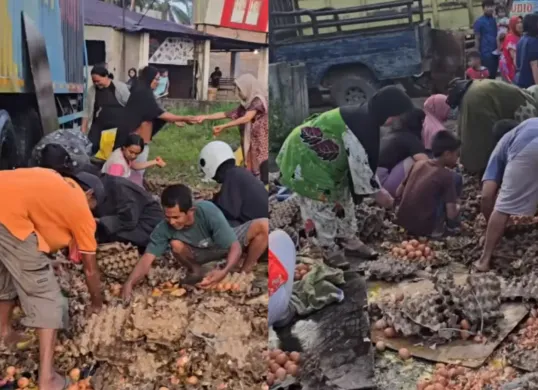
x=212, y=94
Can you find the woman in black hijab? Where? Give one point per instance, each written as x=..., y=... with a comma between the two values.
x=400, y=149
x=143, y=115
x=330, y=161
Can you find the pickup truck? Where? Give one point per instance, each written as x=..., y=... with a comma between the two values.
x=351, y=52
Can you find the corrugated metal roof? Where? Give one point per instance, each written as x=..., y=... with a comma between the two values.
x=99, y=13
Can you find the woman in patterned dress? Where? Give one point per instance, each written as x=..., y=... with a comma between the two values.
x=251, y=117
x=330, y=161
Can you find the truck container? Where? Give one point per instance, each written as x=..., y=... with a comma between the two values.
x=61, y=24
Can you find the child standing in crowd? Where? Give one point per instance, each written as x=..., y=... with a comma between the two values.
x=429, y=193
x=502, y=27
x=485, y=30
x=476, y=71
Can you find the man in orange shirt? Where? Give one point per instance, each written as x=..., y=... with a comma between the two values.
x=40, y=213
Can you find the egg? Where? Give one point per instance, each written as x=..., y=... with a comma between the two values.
x=404, y=353
x=380, y=324
x=293, y=369
x=414, y=243
x=295, y=356
x=389, y=332
x=274, y=367
x=192, y=380
x=281, y=374
x=380, y=346
x=23, y=382
x=274, y=353
x=270, y=379
x=438, y=386
x=74, y=374
x=281, y=359
x=10, y=371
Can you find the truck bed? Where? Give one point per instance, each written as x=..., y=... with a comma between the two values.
x=61, y=23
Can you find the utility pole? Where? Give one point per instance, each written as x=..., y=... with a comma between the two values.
x=133, y=5
x=123, y=42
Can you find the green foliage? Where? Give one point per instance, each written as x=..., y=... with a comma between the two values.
x=180, y=146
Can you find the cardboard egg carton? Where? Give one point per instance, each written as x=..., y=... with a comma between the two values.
x=283, y=213
x=388, y=269
x=117, y=260
x=524, y=287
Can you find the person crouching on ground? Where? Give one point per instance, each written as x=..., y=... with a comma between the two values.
x=492, y=179
x=515, y=160
x=400, y=149
x=122, y=161
x=330, y=161
x=242, y=197
x=429, y=194
x=282, y=261
x=197, y=233
x=43, y=213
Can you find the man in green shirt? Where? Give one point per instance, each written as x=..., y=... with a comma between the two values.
x=197, y=233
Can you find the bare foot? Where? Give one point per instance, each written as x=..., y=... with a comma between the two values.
x=57, y=382
x=481, y=265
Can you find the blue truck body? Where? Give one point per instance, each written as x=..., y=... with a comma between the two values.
x=387, y=55
x=350, y=52
x=61, y=23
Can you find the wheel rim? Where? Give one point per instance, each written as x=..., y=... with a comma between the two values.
x=355, y=95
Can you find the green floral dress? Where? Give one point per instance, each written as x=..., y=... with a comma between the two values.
x=318, y=156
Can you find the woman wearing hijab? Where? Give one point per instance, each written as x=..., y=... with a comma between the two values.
x=400, y=149
x=103, y=106
x=252, y=118
x=330, y=161
x=144, y=116
x=132, y=77
x=437, y=112
x=507, y=63
x=481, y=104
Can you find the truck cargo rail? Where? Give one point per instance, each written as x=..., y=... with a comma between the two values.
x=306, y=24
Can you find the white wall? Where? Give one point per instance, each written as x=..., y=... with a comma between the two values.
x=136, y=49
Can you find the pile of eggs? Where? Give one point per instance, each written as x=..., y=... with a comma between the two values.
x=301, y=270
x=281, y=364
x=414, y=250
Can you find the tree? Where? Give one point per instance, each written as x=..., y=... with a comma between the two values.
x=179, y=11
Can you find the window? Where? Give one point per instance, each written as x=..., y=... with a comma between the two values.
x=96, y=52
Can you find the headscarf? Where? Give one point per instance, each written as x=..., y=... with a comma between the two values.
x=146, y=77
x=412, y=122
x=252, y=89
x=437, y=112
x=365, y=120
x=456, y=90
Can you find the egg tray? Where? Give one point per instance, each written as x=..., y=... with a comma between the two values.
x=480, y=299
x=370, y=221
x=159, y=275
x=237, y=282
x=388, y=269
x=395, y=318
x=117, y=260
x=523, y=358
x=523, y=287
x=284, y=213
x=433, y=312
x=525, y=382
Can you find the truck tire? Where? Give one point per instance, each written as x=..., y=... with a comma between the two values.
x=28, y=132
x=9, y=153
x=352, y=89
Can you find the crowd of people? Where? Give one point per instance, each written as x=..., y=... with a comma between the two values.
x=85, y=190
x=504, y=43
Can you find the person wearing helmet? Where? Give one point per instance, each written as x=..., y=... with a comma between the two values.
x=242, y=197
x=330, y=162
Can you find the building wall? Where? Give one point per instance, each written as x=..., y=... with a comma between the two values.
x=136, y=49
x=248, y=63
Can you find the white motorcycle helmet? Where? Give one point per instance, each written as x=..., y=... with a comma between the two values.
x=213, y=155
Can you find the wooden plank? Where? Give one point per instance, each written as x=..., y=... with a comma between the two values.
x=288, y=96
